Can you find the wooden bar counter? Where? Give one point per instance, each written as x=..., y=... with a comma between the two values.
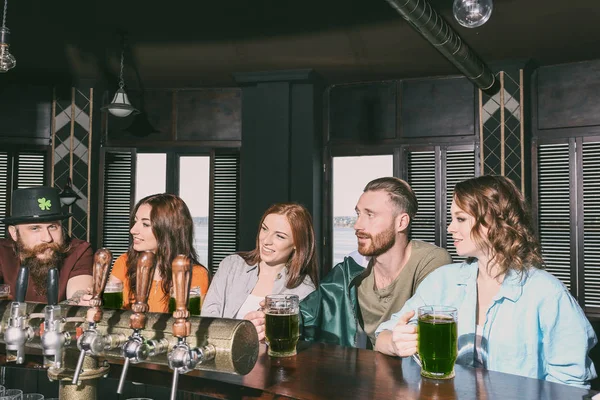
x=331, y=372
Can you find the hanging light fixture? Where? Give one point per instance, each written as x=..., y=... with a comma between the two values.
x=68, y=196
x=472, y=13
x=7, y=60
x=120, y=105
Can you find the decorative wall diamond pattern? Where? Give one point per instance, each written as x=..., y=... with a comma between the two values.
x=71, y=154
x=501, y=126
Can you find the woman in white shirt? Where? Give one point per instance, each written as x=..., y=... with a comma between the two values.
x=283, y=262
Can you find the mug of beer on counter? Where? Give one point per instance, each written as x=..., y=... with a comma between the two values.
x=113, y=294
x=438, y=346
x=194, y=302
x=281, y=324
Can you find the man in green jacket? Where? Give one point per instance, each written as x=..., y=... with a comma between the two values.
x=366, y=288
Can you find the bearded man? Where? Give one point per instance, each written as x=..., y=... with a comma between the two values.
x=370, y=285
x=40, y=242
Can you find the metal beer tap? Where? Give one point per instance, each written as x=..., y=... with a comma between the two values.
x=93, y=342
x=53, y=339
x=18, y=332
x=137, y=349
x=182, y=358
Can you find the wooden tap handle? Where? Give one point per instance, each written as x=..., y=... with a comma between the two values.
x=182, y=278
x=102, y=260
x=145, y=274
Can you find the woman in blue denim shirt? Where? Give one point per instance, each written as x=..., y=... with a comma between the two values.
x=513, y=316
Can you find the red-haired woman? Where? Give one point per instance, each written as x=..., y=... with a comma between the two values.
x=283, y=262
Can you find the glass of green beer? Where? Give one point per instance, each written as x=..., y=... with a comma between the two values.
x=194, y=303
x=113, y=294
x=281, y=324
x=437, y=346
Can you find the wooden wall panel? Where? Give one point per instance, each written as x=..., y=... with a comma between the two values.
x=211, y=114
x=365, y=112
x=438, y=107
x=568, y=95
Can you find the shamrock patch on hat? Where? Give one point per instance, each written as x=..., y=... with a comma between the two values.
x=44, y=204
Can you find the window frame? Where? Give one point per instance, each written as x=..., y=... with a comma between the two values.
x=173, y=154
x=13, y=150
x=575, y=138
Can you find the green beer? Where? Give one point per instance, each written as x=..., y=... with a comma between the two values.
x=437, y=343
x=282, y=334
x=113, y=294
x=193, y=305
x=112, y=300
x=281, y=324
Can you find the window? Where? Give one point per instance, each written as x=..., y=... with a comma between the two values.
x=567, y=195
x=19, y=169
x=208, y=184
x=432, y=174
x=350, y=175
x=150, y=174
x=194, y=184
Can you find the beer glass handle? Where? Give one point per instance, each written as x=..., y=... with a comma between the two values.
x=417, y=359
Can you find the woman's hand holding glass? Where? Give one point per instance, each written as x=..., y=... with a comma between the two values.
x=258, y=320
x=404, y=336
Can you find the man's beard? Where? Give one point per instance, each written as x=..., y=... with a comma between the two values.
x=38, y=268
x=379, y=244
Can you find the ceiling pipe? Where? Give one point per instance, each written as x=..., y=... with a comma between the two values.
x=425, y=20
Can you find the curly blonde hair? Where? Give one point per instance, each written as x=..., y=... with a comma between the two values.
x=497, y=204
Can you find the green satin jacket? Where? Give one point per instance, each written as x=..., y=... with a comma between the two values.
x=330, y=314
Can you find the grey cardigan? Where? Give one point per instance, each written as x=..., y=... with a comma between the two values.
x=235, y=280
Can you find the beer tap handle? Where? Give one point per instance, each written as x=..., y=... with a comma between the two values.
x=182, y=278
x=174, y=384
x=145, y=273
x=102, y=260
x=123, y=375
x=52, y=287
x=22, y=282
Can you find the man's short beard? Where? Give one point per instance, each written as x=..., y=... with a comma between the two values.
x=380, y=243
x=38, y=268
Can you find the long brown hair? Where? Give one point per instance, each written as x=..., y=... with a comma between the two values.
x=303, y=260
x=497, y=204
x=173, y=228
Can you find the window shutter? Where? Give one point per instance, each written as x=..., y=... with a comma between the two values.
x=460, y=165
x=421, y=177
x=117, y=195
x=591, y=222
x=554, y=213
x=30, y=169
x=224, y=205
x=3, y=190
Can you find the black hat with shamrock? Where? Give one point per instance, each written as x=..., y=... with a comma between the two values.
x=35, y=204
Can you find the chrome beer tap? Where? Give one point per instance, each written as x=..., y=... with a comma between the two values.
x=53, y=339
x=18, y=332
x=182, y=358
x=93, y=342
x=137, y=349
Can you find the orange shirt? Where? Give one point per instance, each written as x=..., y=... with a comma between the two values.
x=156, y=300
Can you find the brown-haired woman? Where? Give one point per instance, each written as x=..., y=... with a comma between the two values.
x=283, y=262
x=162, y=224
x=514, y=317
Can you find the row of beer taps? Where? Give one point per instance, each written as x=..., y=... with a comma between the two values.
x=136, y=348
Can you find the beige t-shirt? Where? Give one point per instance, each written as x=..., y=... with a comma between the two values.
x=377, y=305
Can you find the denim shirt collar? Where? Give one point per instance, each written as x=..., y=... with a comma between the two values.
x=512, y=285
